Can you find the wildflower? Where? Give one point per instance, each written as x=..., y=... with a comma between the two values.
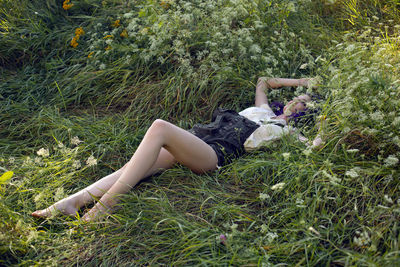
x=396, y=121
x=75, y=141
x=222, y=238
x=128, y=15
x=91, y=161
x=67, y=5
x=116, y=23
x=11, y=160
x=43, y=152
x=90, y=55
x=124, y=33
x=263, y=196
x=352, y=173
x=76, y=164
x=108, y=36
x=303, y=66
x=102, y=66
x=74, y=42
x=391, y=161
x=388, y=199
x=312, y=229
x=144, y=31
x=234, y=227
x=79, y=31
x=355, y=150
x=299, y=202
x=286, y=156
x=307, y=152
x=362, y=239
x=278, y=186
x=165, y=4
x=271, y=236
x=38, y=160
x=60, y=145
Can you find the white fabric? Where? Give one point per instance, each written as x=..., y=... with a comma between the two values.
x=268, y=131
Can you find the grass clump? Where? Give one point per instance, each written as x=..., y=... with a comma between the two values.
x=90, y=76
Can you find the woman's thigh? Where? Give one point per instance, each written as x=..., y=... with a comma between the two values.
x=186, y=148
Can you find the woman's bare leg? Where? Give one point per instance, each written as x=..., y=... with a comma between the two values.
x=186, y=148
x=71, y=204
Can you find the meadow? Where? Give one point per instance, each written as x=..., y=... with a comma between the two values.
x=82, y=80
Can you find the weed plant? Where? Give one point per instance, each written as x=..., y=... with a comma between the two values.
x=82, y=80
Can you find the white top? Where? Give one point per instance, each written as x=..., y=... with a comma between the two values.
x=268, y=131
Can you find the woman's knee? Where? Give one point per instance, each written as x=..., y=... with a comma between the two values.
x=159, y=126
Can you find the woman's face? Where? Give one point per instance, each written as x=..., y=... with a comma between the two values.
x=297, y=104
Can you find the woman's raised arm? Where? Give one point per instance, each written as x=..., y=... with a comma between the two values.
x=264, y=83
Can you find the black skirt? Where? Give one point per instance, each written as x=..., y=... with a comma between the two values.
x=226, y=134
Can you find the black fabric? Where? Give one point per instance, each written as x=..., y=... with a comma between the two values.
x=226, y=134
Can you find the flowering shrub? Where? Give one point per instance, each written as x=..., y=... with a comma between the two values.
x=365, y=93
x=203, y=37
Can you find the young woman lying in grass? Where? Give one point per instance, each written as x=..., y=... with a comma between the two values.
x=203, y=148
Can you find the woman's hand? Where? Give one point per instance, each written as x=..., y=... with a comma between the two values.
x=304, y=82
x=263, y=82
x=309, y=82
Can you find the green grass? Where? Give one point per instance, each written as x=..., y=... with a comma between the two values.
x=339, y=206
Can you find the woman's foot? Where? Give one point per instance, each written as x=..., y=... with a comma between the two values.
x=99, y=210
x=64, y=206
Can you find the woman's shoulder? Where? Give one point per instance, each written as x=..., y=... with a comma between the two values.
x=261, y=109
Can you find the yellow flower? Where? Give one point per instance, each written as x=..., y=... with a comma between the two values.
x=67, y=5
x=164, y=4
x=108, y=36
x=89, y=56
x=124, y=33
x=108, y=47
x=116, y=23
x=74, y=42
x=79, y=31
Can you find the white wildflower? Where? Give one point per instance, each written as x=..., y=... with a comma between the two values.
x=355, y=150
x=271, y=236
x=312, y=229
x=264, y=228
x=43, y=152
x=126, y=15
x=391, y=161
x=388, y=199
x=307, y=151
x=303, y=66
x=75, y=140
x=234, y=227
x=353, y=173
x=76, y=164
x=377, y=116
x=38, y=160
x=91, y=161
x=263, y=196
x=102, y=66
x=362, y=239
x=60, y=145
x=11, y=160
x=396, y=121
x=278, y=186
x=286, y=155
